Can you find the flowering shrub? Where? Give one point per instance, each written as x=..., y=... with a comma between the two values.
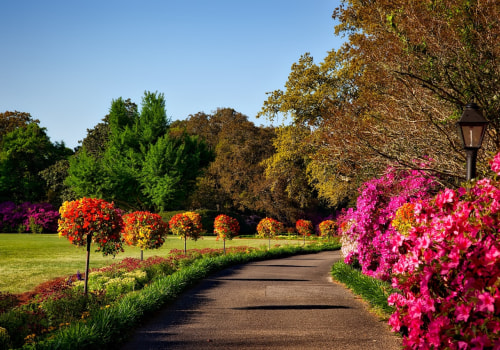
x=367, y=230
x=28, y=217
x=269, y=227
x=304, y=227
x=448, y=269
x=186, y=225
x=327, y=228
x=144, y=230
x=226, y=227
x=95, y=218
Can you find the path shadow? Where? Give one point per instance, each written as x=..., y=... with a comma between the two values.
x=293, y=307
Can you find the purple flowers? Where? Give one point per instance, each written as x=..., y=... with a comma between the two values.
x=16, y=218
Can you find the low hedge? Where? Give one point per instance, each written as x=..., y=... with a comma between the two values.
x=374, y=291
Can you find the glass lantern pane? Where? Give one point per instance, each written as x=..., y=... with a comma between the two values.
x=472, y=135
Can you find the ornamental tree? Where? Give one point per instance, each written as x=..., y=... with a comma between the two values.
x=226, y=227
x=304, y=228
x=90, y=220
x=186, y=225
x=328, y=228
x=144, y=230
x=269, y=228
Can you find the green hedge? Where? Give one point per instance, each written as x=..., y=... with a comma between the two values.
x=370, y=289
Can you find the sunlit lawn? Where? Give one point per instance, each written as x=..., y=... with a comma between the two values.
x=27, y=260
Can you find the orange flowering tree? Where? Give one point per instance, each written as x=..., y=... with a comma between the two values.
x=304, y=228
x=226, y=227
x=90, y=220
x=268, y=228
x=328, y=228
x=144, y=230
x=186, y=225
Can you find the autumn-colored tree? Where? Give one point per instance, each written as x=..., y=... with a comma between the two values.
x=230, y=180
x=269, y=228
x=226, y=227
x=304, y=228
x=144, y=230
x=186, y=225
x=394, y=91
x=286, y=172
x=9, y=121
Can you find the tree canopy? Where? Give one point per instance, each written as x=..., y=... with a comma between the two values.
x=134, y=161
x=394, y=91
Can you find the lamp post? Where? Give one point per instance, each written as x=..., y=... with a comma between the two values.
x=472, y=127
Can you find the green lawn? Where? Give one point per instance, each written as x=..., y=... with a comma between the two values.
x=27, y=260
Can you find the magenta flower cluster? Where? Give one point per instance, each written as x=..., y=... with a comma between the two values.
x=14, y=218
x=444, y=260
x=368, y=227
x=449, y=276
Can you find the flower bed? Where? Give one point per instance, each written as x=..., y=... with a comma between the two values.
x=442, y=254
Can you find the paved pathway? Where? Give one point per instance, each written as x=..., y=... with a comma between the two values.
x=275, y=304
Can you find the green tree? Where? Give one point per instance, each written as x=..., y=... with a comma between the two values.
x=24, y=153
x=138, y=166
x=171, y=168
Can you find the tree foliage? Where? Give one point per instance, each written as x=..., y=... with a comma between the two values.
x=133, y=160
x=395, y=90
x=234, y=179
x=24, y=153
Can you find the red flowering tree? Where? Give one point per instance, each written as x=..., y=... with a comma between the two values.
x=90, y=220
x=268, y=228
x=144, y=230
x=226, y=227
x=186, y=225
x=328, y=228
x=304, y=228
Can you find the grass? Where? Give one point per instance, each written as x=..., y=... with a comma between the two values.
x=374, y=291
x=26, y=260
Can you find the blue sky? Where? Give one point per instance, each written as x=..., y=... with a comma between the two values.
x=65, y=61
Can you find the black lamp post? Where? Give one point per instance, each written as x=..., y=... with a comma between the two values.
x=472, y=127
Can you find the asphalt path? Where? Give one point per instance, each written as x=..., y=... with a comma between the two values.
x=288, y=303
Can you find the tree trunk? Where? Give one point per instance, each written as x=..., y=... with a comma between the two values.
x=89, y=241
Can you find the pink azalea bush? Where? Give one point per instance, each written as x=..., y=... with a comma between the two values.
x=366, y=230
x=448, y=269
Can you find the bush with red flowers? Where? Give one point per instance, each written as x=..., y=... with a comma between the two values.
x=328, y=228
x=144, y=230
x=94, y=218
x=226, y=227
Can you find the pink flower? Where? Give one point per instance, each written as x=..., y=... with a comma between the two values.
x=486, y=302
x=462, y=312
x=447, y=196
x=479, y=342
x=495, y=164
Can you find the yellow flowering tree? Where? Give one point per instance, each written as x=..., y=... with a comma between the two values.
x=144, y=230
